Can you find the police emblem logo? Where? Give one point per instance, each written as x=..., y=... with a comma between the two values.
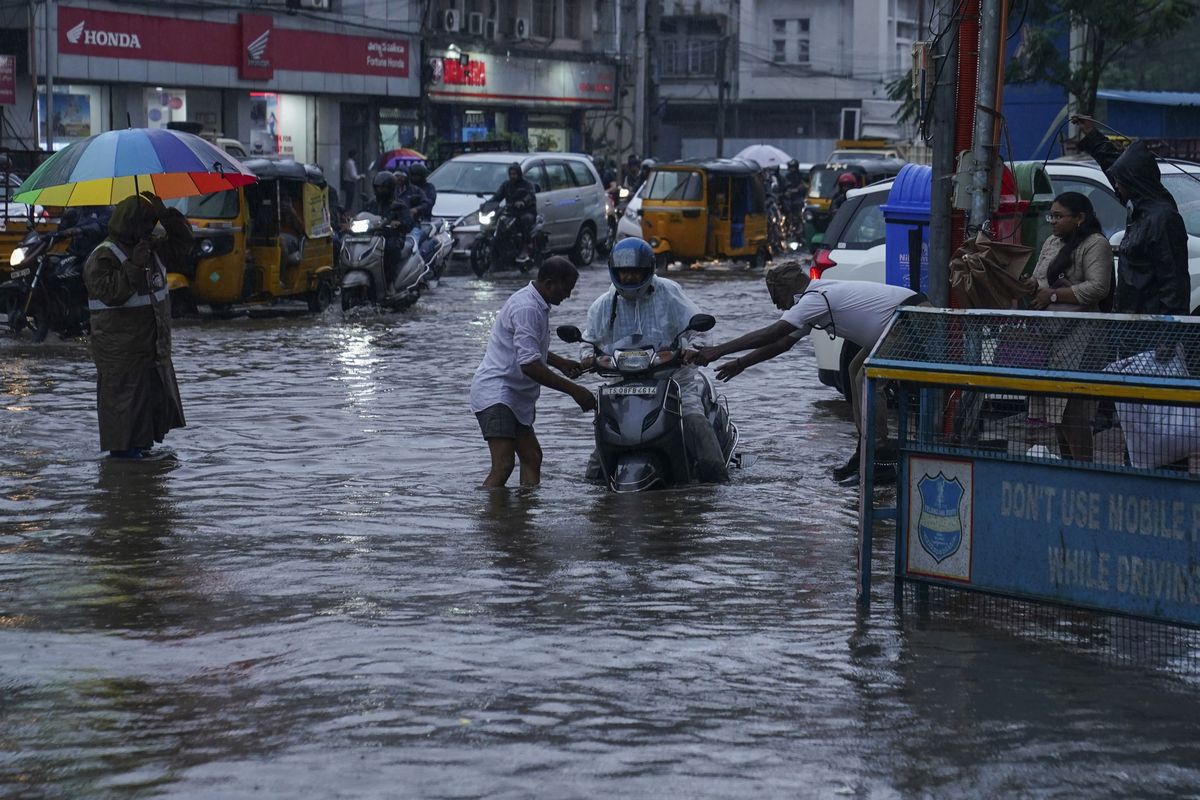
x=939, y=525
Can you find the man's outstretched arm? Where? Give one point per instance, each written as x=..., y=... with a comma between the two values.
x=748, y=341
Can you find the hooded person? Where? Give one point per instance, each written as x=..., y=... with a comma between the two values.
x=137, y=397
x=520, y=198
x=423, y=193
x=1152, y=260
x=396, y=218
x=639, y=302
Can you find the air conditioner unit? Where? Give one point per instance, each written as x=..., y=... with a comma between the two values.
x=318, y=5
x=490, y=29
x=520, y=28
x=451, y=20
x=475, y=24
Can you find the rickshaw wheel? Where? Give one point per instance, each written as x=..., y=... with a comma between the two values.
x=320, y=298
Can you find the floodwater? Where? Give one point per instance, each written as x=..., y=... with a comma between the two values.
x=314, y=600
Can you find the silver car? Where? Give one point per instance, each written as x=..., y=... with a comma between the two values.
x=570, y=197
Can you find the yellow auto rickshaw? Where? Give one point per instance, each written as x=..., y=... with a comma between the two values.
x=261, y=243
x=822, y=188
x=706, y=209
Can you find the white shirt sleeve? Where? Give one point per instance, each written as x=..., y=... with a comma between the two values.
x=527, y=336
x=804, y=313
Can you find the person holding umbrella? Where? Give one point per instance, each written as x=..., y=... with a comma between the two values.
x=137, y=397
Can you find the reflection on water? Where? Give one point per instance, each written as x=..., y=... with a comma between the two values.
x=315, y=600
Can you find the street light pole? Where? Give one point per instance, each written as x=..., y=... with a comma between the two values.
x=985, y=121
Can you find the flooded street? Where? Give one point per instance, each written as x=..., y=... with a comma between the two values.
x=315, y=600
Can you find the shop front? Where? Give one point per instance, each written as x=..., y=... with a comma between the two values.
x=275, y=88
x=480, y=96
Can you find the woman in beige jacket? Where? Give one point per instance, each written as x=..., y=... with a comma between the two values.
x=1074, y=272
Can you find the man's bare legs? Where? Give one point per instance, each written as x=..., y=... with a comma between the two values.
x=505, y=452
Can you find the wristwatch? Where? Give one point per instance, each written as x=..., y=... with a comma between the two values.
x=1054, y=297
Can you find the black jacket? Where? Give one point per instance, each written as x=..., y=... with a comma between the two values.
x=92, y=222
x=392, y=212
x=518, y=195
x=1152, y=262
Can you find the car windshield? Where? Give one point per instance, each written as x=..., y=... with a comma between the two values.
x=1185, y=188
x=470, y=177
x=676, y=185
x=823, y=182
x=218, y=205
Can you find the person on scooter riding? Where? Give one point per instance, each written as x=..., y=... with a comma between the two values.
x=87, y=226
x=520, y=199
x=641, y=302
x=397, y=221
x=794, y=190
x=422, y=192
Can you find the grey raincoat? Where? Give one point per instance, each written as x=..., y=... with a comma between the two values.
x=137, y=398
x=1152, y=262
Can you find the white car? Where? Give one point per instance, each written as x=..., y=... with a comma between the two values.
x=855, y=244
x=570, y=197
x=630, y=223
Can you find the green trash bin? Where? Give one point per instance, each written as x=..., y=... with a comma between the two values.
x=1034, y=186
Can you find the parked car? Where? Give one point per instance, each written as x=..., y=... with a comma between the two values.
x=570, y=197
x=855, y=243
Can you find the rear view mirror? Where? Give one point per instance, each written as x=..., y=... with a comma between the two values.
x=569, y=334
x=701, y=323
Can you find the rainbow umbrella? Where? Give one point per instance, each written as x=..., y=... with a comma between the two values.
x=403, y=157
x=104, y=169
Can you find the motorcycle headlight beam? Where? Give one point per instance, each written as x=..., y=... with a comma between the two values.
x=18, y=256
x=360, y=226
x=486, y=219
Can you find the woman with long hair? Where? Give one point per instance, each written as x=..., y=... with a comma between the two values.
x=1074, y=272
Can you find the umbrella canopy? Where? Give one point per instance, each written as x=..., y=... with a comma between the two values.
x=399, y=158
x=104, y=169
x=766, y=155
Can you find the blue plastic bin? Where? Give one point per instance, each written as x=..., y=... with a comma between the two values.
x=906, y=215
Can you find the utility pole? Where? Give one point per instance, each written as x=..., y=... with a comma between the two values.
x=640, y=106
x=722, y=83
x=941, y=129
x=49, y=81
x=985, y=121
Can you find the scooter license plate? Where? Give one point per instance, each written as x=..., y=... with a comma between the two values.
x=19, y=273
x=647, y=390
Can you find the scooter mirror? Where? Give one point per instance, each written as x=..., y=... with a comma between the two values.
x=569, y=334
x=702, y=323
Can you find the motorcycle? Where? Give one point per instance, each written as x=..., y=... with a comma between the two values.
x=44, y=292
x=640, y=437
x=499, y=241
x=364, y=276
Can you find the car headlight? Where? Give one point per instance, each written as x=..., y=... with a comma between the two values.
x=633, y=360
x=206, y=247
x=360, y=226
x=18, y=255
x=486, y=219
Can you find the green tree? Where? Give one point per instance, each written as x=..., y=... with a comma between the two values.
x=1110, y=28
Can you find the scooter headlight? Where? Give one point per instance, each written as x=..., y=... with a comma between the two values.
x=360, y=226
x=623, y=193
x=18, y=255
x=634, y=360
x=486, y=218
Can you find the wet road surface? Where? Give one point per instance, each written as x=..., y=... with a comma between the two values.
x=314, y=600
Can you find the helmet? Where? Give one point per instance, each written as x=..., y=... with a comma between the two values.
x=648, y=163
x=632, y=160
x=793, y=164
x=848, y=180
x=631, y=253
x=384, y=181
x=418, y=172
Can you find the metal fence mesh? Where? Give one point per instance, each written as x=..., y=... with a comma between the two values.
x=1110, y=638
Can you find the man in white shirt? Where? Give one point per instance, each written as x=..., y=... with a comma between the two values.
x=350, y=181
x=858, y=311
x=514, y=369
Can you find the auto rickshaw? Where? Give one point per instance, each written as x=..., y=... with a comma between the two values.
x=264, y=242
x=706, y=209
x=822, y=187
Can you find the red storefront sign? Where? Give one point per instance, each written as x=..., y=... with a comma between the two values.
x=255, y=49
x=8, y=80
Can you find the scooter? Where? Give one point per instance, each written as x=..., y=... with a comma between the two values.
x=639, y=420
x=499, y=241
x=364, y=277
x=431, y=242
x=44, y=292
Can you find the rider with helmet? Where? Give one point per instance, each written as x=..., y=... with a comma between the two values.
x=647, y=165
x=632, y=172
x=396, y=218
x=422, y=192
x=794, y=190
x=641, y=302
x=520, y=199
x=845, y=182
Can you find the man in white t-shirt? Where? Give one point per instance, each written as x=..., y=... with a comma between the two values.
x=514, y=369
x=858, y=311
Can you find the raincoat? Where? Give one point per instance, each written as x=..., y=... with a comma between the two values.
x=1152, y=261
x=137, y=398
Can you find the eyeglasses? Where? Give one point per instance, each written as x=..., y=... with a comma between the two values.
x=1057, y=217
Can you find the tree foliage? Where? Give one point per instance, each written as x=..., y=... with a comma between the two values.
x=1110, y=28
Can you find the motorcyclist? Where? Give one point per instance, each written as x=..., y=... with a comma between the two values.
x=633, y=169
x=520, y=200
x=647, y=165
x=87, y=226
x=422, y=192
x=794, y=190
x=396, y=218
x=845, y=182
x=657, y=308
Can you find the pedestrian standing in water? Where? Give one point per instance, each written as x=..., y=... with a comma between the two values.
x=137, y=398
x=514, y=369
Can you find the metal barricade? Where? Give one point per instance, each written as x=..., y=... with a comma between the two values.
x=1051, y=458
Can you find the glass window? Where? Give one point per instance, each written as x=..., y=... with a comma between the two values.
x=1186, y=191
x=1109, y=210
x=556, y=176
x=779, y=25
x=218, y=205
x=543, y=18
x=583, y=176
x=866, y=228
x=570, y=19
x=676, y=185
x=470, y=177
x=537, y=176
x=779, y=54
